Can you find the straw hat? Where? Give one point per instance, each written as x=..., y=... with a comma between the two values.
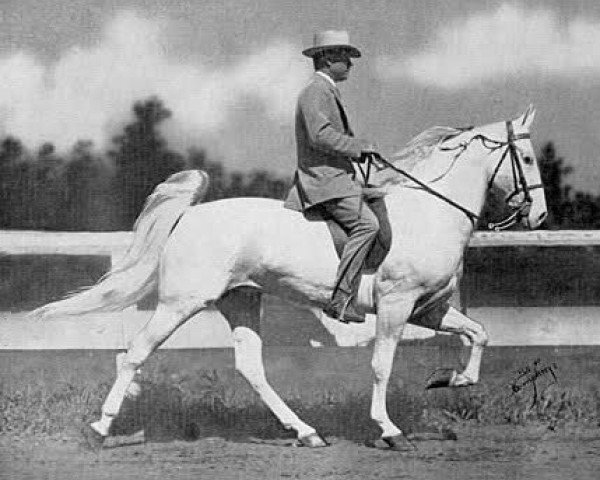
x=330, y=39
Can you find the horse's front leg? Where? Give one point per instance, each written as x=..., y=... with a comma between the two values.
x=473, y=332
x=392, y=312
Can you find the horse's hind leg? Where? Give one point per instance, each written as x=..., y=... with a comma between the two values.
x=242, y=308
x=166, y=319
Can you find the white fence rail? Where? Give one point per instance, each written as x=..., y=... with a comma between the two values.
x=28, y=242
x=114, y=244
x=562, y=325
x=537, y=238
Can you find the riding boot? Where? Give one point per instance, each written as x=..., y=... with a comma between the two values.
x=341, y=307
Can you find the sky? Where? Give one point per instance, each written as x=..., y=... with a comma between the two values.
x=230, y=71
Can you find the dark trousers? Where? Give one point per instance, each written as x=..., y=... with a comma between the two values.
x=361, y=226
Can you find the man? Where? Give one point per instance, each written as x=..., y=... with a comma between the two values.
x=325, y=177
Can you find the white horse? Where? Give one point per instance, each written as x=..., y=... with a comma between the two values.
x=209, y=254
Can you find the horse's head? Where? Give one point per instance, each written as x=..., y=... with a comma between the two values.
x=515, y=173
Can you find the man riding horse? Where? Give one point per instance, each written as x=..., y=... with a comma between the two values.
x=325, y=180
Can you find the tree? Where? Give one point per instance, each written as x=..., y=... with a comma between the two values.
x=264, y=184
x=13, y=170
x=47, y=190
x=142, y=159
x=553, y=172
x=217, y=187
x=236, y=187
x=88, y=190
x=11, y=150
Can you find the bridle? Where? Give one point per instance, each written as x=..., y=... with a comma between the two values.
x=510, y=151
x=519, y=180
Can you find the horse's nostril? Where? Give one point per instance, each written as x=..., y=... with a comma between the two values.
x=542, y=217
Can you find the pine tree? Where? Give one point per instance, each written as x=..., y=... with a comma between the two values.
x=142, y=159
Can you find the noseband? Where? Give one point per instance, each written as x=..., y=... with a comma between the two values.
x=519, y=180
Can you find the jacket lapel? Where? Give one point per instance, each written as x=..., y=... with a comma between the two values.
x=338, y=101
x=343, y=115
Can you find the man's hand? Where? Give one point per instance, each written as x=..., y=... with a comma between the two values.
x=368, y=150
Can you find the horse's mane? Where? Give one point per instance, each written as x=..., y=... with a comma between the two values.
x=421, y=146
x=415, y=151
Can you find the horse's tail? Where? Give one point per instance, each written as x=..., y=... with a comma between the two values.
x=135, y=275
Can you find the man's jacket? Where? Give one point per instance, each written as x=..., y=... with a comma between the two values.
x=325, y=144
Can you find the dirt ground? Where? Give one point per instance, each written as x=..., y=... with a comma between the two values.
x=46, y=396
x=481, y=452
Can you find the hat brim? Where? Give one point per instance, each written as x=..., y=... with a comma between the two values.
x=312, y=51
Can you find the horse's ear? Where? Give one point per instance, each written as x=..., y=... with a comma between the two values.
x=527, y=118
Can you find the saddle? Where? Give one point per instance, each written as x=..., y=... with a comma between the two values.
x=381, y=246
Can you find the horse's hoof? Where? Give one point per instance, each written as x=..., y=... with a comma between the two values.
x=312, y=440
x=399, y=443
x=396, y=443
x=461, y=380
x=448, y=377
x=93, y=440
x=443, y=377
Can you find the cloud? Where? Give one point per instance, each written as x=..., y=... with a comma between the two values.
x=507, y=43
x=89, y=91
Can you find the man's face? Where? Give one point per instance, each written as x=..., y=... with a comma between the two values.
x=339, y=64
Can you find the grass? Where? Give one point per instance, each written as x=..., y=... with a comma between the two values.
x=554, y=405
x=209, y=404
x=172, y=409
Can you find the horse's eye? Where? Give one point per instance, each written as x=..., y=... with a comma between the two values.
x=528, y=160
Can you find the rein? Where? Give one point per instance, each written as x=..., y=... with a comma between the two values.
x=519, y=180
x=472, y=216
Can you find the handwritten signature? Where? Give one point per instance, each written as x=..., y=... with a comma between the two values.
x=531, y=374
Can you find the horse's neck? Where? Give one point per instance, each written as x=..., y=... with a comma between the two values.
x=467, y=181
x=464, y=182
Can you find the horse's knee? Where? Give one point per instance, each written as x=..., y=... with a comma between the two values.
x=379, y=373
x=456, y=322
x=380, y=368
x=481, y=336
x=476, y=334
